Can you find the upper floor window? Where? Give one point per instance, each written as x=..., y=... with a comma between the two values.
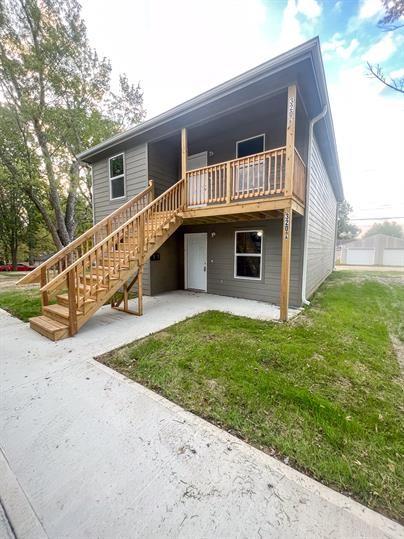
x=248, y=254
x=117, y=176
x=250, y=146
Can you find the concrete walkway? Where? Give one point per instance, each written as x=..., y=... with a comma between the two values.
x=87, y=453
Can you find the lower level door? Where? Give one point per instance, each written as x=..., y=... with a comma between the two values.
x=196, y=252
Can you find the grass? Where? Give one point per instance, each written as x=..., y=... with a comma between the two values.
x=324, y=390
x=23, y=303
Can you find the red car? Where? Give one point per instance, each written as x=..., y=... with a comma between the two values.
x=19, y=267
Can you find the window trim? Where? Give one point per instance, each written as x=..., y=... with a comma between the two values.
x=258, y=255
x=250, y=138
x=111, y=178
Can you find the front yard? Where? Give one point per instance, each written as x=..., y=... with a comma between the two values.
x=323, y=392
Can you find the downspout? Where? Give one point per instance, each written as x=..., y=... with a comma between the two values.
x=313, y=121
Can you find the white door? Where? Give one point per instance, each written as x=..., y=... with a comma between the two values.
x=198, y=182
x=393, y=257
x=360, y=257
x=196, y=253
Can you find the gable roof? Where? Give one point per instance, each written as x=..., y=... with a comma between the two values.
x=302, y=64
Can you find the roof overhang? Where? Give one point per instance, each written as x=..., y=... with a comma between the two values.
x=302, y=65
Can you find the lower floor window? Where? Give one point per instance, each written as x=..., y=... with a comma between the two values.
x=248, y=254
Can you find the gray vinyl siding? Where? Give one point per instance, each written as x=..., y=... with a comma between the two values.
x=135, y=181
x=322, y=206
x=164, y=165
x=220, y=268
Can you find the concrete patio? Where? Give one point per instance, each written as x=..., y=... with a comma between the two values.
x=86, y=452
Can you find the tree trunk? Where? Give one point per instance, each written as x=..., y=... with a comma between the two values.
x=46, y=217
x=54, y=198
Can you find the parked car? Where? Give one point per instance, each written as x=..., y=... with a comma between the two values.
x=19, y=267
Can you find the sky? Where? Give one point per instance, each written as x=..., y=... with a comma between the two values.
x=177, y=49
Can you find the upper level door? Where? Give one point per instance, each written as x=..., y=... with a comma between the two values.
x=198, y=182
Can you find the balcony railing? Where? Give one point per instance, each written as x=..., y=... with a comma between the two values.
x=256, y=176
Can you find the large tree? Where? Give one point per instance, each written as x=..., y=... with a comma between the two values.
x=390, y=228
x=58, y=94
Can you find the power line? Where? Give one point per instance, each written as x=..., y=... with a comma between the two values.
x=374, y=218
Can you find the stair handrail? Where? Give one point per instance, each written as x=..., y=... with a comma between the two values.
x=48, y=287
x=39, y=273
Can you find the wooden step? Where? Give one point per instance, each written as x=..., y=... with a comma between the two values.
x=98, y=278
x=52, y=329
x=63, y=299
x=60, y=313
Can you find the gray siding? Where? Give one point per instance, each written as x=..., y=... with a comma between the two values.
x=220, y=268
x=135, y=179
x=163, y=163
x=322, y=206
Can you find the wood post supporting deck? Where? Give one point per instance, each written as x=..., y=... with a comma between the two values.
x=184, y=157
x=290, y=140
x=184, y=152
x=138, y=278
x=285, y=267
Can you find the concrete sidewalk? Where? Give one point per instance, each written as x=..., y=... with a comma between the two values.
x=87, y=453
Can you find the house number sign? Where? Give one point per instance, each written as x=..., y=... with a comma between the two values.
x=291, y=109
x=286, y=225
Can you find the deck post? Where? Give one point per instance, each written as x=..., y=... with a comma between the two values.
x=184, y=157
x=71, y=291
x=290, y=139
x=285, y=264
x=184, y=151
x=140, y=291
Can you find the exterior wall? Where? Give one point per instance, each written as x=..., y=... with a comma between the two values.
x=321, y=223
x=164, y=163
x=223, y=144
x=135, y=181
x=220, y=267
x=379, y=242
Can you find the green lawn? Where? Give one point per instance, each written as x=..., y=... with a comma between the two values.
x=23, y=303
x=323, y=390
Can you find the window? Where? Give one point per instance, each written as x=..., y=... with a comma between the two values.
x=117, y=176
x=250, y=146
x=248, y=254
x=249, y=175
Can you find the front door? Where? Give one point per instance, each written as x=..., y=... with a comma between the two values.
x=196, y=253
x=198, y=182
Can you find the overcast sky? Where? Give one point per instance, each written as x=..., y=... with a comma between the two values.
x=179, y=48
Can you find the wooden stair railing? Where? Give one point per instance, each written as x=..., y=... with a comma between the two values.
x=57, y=263
x=91, y=280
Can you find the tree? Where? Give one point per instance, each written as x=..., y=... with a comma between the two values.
x=59, y=101
x=345, y=229
x=12, y=221
x=392, y=20
x=390, y=228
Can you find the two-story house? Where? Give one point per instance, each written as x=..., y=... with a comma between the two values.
x=233, y=192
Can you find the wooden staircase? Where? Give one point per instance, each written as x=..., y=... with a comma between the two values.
x=110, y=256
